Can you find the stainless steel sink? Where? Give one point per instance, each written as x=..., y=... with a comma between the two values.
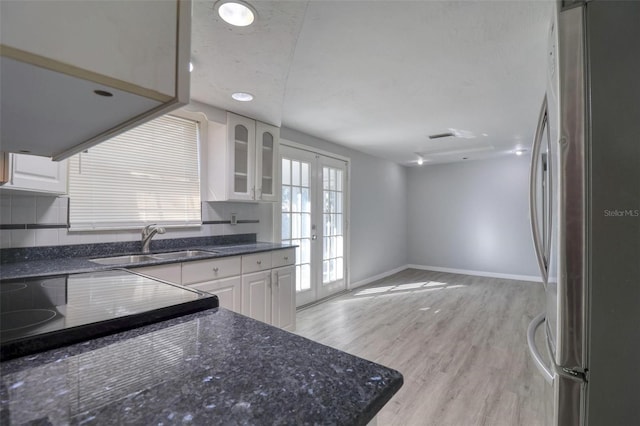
x=182, y=254
x=135, y=258
x=123, y=260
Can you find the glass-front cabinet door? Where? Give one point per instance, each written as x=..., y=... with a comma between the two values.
x=242, y=136
x=267, y=138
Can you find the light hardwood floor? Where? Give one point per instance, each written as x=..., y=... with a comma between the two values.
x=460, y=342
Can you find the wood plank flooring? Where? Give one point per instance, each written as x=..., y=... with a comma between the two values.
x=460, y=342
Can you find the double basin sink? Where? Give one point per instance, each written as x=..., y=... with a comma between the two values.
x=136, y=258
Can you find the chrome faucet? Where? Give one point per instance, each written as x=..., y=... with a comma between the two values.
x=147, y=234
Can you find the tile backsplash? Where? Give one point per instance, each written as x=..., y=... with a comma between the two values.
x=35, y=220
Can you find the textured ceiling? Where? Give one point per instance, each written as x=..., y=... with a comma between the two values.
x=380, y=76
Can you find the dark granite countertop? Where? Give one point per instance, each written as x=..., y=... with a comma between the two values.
x=212, y=367
x=78, y=261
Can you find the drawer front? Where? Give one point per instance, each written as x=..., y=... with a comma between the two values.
x=210, y=269
x=283, y=257
x=170, y=272
x=256, y=262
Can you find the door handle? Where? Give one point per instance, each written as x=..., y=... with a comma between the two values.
x=533, y=199
x=533, y=350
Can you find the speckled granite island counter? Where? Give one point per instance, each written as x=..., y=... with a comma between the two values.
x=212, y=367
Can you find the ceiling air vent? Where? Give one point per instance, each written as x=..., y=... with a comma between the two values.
x=441, y=135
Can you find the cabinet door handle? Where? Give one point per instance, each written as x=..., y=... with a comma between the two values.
x=259, y=262
x=215, y=269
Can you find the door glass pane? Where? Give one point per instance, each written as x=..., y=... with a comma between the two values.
x=306, y=225
x=286, y=198
x=295, y=225
x=296, y=200
x=325, y=245
x=296, y=216
x=305, y=252
x=295, y=173
x=286, y=226
x=333, y=242
x=305, y=278
x=286, y=171
x=305, y=176
x=305, y=200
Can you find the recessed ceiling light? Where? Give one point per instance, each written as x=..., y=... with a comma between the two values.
x=236, y=12
x=242, y=96
x=420, y=161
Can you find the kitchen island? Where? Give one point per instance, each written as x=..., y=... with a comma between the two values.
x=211, y=367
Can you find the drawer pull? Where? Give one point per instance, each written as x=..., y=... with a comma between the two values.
x=259, y=262
x=286, y=258
x=215, y=269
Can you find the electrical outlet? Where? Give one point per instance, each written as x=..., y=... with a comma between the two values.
x=234, y=218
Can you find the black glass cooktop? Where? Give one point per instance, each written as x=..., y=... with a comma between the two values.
x=47, y=312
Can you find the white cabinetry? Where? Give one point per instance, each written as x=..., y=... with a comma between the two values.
x=245, y=284
x=283, y=296
x=36, y=174
x=256, y=296
x=170, y=272
x=77, y=73
x=228, y=290
x=218, y=276
x=242, y=160
x=267, y=143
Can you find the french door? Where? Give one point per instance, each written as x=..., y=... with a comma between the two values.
x=313, y=216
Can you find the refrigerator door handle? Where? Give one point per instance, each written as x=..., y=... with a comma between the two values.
x=533, y=199
x=533, y=350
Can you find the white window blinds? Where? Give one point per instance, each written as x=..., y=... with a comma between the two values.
x=146, y=175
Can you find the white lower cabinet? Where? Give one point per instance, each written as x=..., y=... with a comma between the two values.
x=228, y=290
x=283, y=298
x=244, y=284
x=256, y=296
x=170, y=272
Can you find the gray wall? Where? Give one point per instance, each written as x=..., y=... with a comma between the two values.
x=472, y=216
x=378, y=208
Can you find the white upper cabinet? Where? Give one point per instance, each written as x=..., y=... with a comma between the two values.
x=242, y=161
x=242, y=149
x=76, y=73
x=36, y=174
x=267, y=138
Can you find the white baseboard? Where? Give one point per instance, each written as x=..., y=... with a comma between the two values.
x=478, y=273
x=377, y=277
x=449, y=270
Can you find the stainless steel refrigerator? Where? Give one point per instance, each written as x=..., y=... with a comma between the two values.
x=585, y=216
